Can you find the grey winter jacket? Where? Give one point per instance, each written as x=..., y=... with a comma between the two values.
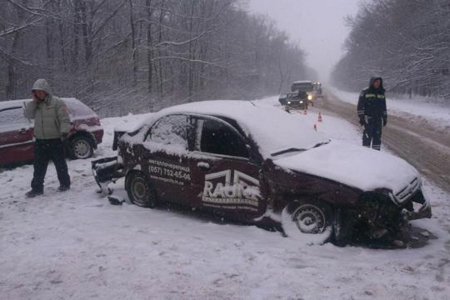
x=51, y=117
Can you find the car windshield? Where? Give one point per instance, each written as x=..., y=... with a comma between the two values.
x=321, y=144
x=276, y=131
x=291, y=150
x=297, y=93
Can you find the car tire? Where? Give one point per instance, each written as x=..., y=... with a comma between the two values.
x=81, y=147
x=341, y=229
x=139, y=190
x=307, y=221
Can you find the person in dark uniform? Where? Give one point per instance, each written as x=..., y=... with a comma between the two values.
x=51, y=127
x=372, y=113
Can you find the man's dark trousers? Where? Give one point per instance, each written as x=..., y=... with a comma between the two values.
x=372, y=133
x=44, y=151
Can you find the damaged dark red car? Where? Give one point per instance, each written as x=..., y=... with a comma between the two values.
x=262, y=165
x=17, y=132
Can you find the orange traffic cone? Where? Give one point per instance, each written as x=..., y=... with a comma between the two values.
x=320, y=117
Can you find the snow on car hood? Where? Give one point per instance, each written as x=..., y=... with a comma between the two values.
x=354, y=166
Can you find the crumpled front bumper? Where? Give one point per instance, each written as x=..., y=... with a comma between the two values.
x=424, y=210
x=408, y=196
x=381, y=212
x=376, y=217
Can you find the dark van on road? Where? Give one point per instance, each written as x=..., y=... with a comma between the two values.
x=294, y=100
x=307, y=87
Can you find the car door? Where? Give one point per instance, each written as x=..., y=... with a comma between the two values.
x=16, y=137
x=164, y=153
x=224, y=177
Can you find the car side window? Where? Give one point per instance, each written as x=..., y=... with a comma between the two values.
x=219, y=138
x=170, y=130
x=13, y=119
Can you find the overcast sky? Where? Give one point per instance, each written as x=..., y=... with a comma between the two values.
x=316, y=25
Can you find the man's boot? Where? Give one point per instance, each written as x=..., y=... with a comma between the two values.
x=63, y=188
x=33, y=193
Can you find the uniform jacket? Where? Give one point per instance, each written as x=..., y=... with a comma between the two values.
x=51, y=117
x=372, y=102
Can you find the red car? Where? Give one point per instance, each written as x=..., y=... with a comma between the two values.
x=17, y=132
x=261, y=165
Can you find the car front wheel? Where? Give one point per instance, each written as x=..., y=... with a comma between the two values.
x=140, y=190
x=307, y=221
x=81, y=147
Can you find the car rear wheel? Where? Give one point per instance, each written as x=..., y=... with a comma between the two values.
x=81, y=147
x=308, y=221
x=140, y=190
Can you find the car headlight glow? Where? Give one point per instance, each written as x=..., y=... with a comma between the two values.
x=310, y=97
x=289, y=102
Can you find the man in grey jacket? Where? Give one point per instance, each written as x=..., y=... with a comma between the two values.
x=51, y=127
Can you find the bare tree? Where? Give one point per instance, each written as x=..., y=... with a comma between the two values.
x=152, y=53
x=408, y=42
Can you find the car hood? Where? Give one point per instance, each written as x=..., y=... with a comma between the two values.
x=354, y=166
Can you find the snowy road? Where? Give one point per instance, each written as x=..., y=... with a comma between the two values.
x=76, y=245
x=412, y=138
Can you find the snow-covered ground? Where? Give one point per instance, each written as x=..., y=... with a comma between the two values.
x=75, y=245
x=435, y=112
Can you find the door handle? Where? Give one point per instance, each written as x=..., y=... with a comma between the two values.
x=203, y=166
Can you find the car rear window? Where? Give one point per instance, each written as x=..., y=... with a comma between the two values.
x=170, y=130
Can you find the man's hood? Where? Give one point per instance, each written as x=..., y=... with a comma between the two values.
x=372, y=80
x=354, y=166
x=42, y=85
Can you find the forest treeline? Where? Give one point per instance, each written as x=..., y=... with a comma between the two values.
x=143, y=54
x=405, y=41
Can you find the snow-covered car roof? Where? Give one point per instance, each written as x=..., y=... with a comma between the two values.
x=11, y=103
x=275, y=130
x=272, y=129
x=77, y=109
